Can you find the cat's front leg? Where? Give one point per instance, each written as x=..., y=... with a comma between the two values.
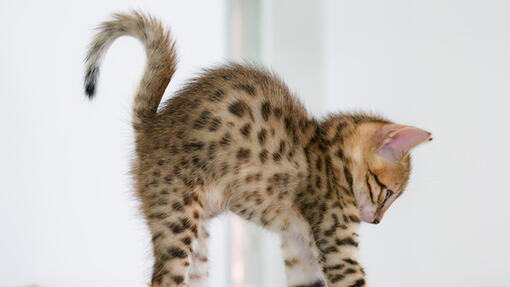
x=301, y=265
x=336, y=239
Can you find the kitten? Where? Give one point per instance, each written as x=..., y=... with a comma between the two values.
x=236, y=139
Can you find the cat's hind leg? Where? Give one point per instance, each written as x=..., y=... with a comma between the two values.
x=302, y=268
x=174, y=217
x=198, y=273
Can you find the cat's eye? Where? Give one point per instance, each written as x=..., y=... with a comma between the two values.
x=388, y=194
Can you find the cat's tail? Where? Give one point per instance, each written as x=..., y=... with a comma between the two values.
x=160, y=66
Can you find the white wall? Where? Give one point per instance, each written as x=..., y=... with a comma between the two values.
x=68, y=216
x=442, y=66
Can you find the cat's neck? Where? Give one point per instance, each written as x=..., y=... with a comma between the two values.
x=328, y=182
x=336, y=172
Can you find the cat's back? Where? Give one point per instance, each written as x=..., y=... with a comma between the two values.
x=233, y=119
x=247, y=86
x=235, y=99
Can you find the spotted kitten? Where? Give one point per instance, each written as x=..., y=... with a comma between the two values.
x=236, y=139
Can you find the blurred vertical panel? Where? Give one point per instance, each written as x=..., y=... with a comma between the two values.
x=284, y=36
x=246, y=246
x=292, y=45
x=219, y=252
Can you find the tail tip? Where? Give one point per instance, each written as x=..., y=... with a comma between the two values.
x=90, y=90
x=90, y=81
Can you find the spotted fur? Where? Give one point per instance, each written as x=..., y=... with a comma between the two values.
x=235, y=139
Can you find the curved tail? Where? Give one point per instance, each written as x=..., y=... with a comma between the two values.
x=160, y=67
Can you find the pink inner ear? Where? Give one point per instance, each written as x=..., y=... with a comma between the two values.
x=397, y=140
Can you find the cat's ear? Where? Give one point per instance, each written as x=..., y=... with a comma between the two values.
x=395, y=141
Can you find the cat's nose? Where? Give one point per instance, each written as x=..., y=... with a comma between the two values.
x=376, y=221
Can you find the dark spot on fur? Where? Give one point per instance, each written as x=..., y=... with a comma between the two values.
x=225, y=140
x=185, y=222
x=346, y=241
x=187, y=199
x=245, y=130
x=277, y=113
x=358, y=283
x=177, y=206
x=194, y=229
x=265, y=110
x=217, y=96
x=335, y=278
x=238, y=108
x=176, y=252
x=348, y=177
x=354, y=218
x=280, y=178
x=330, y=249
x=186, y=240
x=224, y=169
x=262, y=135
x=243, y=154
x=351, y=261
x=175, y=227
x=202, y=120
x=318, y=183
x=289, y=125
x=211, y=152
x=184, y=163
x=215, y=124
x=178, y=279
x=349, y=271
x=282, y=147
x=157, y=236
x=193, y=146
x=263, y=156
x=340, y=154
x=195, y=160
x=318, y=163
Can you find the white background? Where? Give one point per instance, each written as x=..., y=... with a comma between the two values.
x=67, y=214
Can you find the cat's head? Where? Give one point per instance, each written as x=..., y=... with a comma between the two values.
x=379, y=161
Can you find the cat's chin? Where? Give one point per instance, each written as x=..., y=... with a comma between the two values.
x=368, y=215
